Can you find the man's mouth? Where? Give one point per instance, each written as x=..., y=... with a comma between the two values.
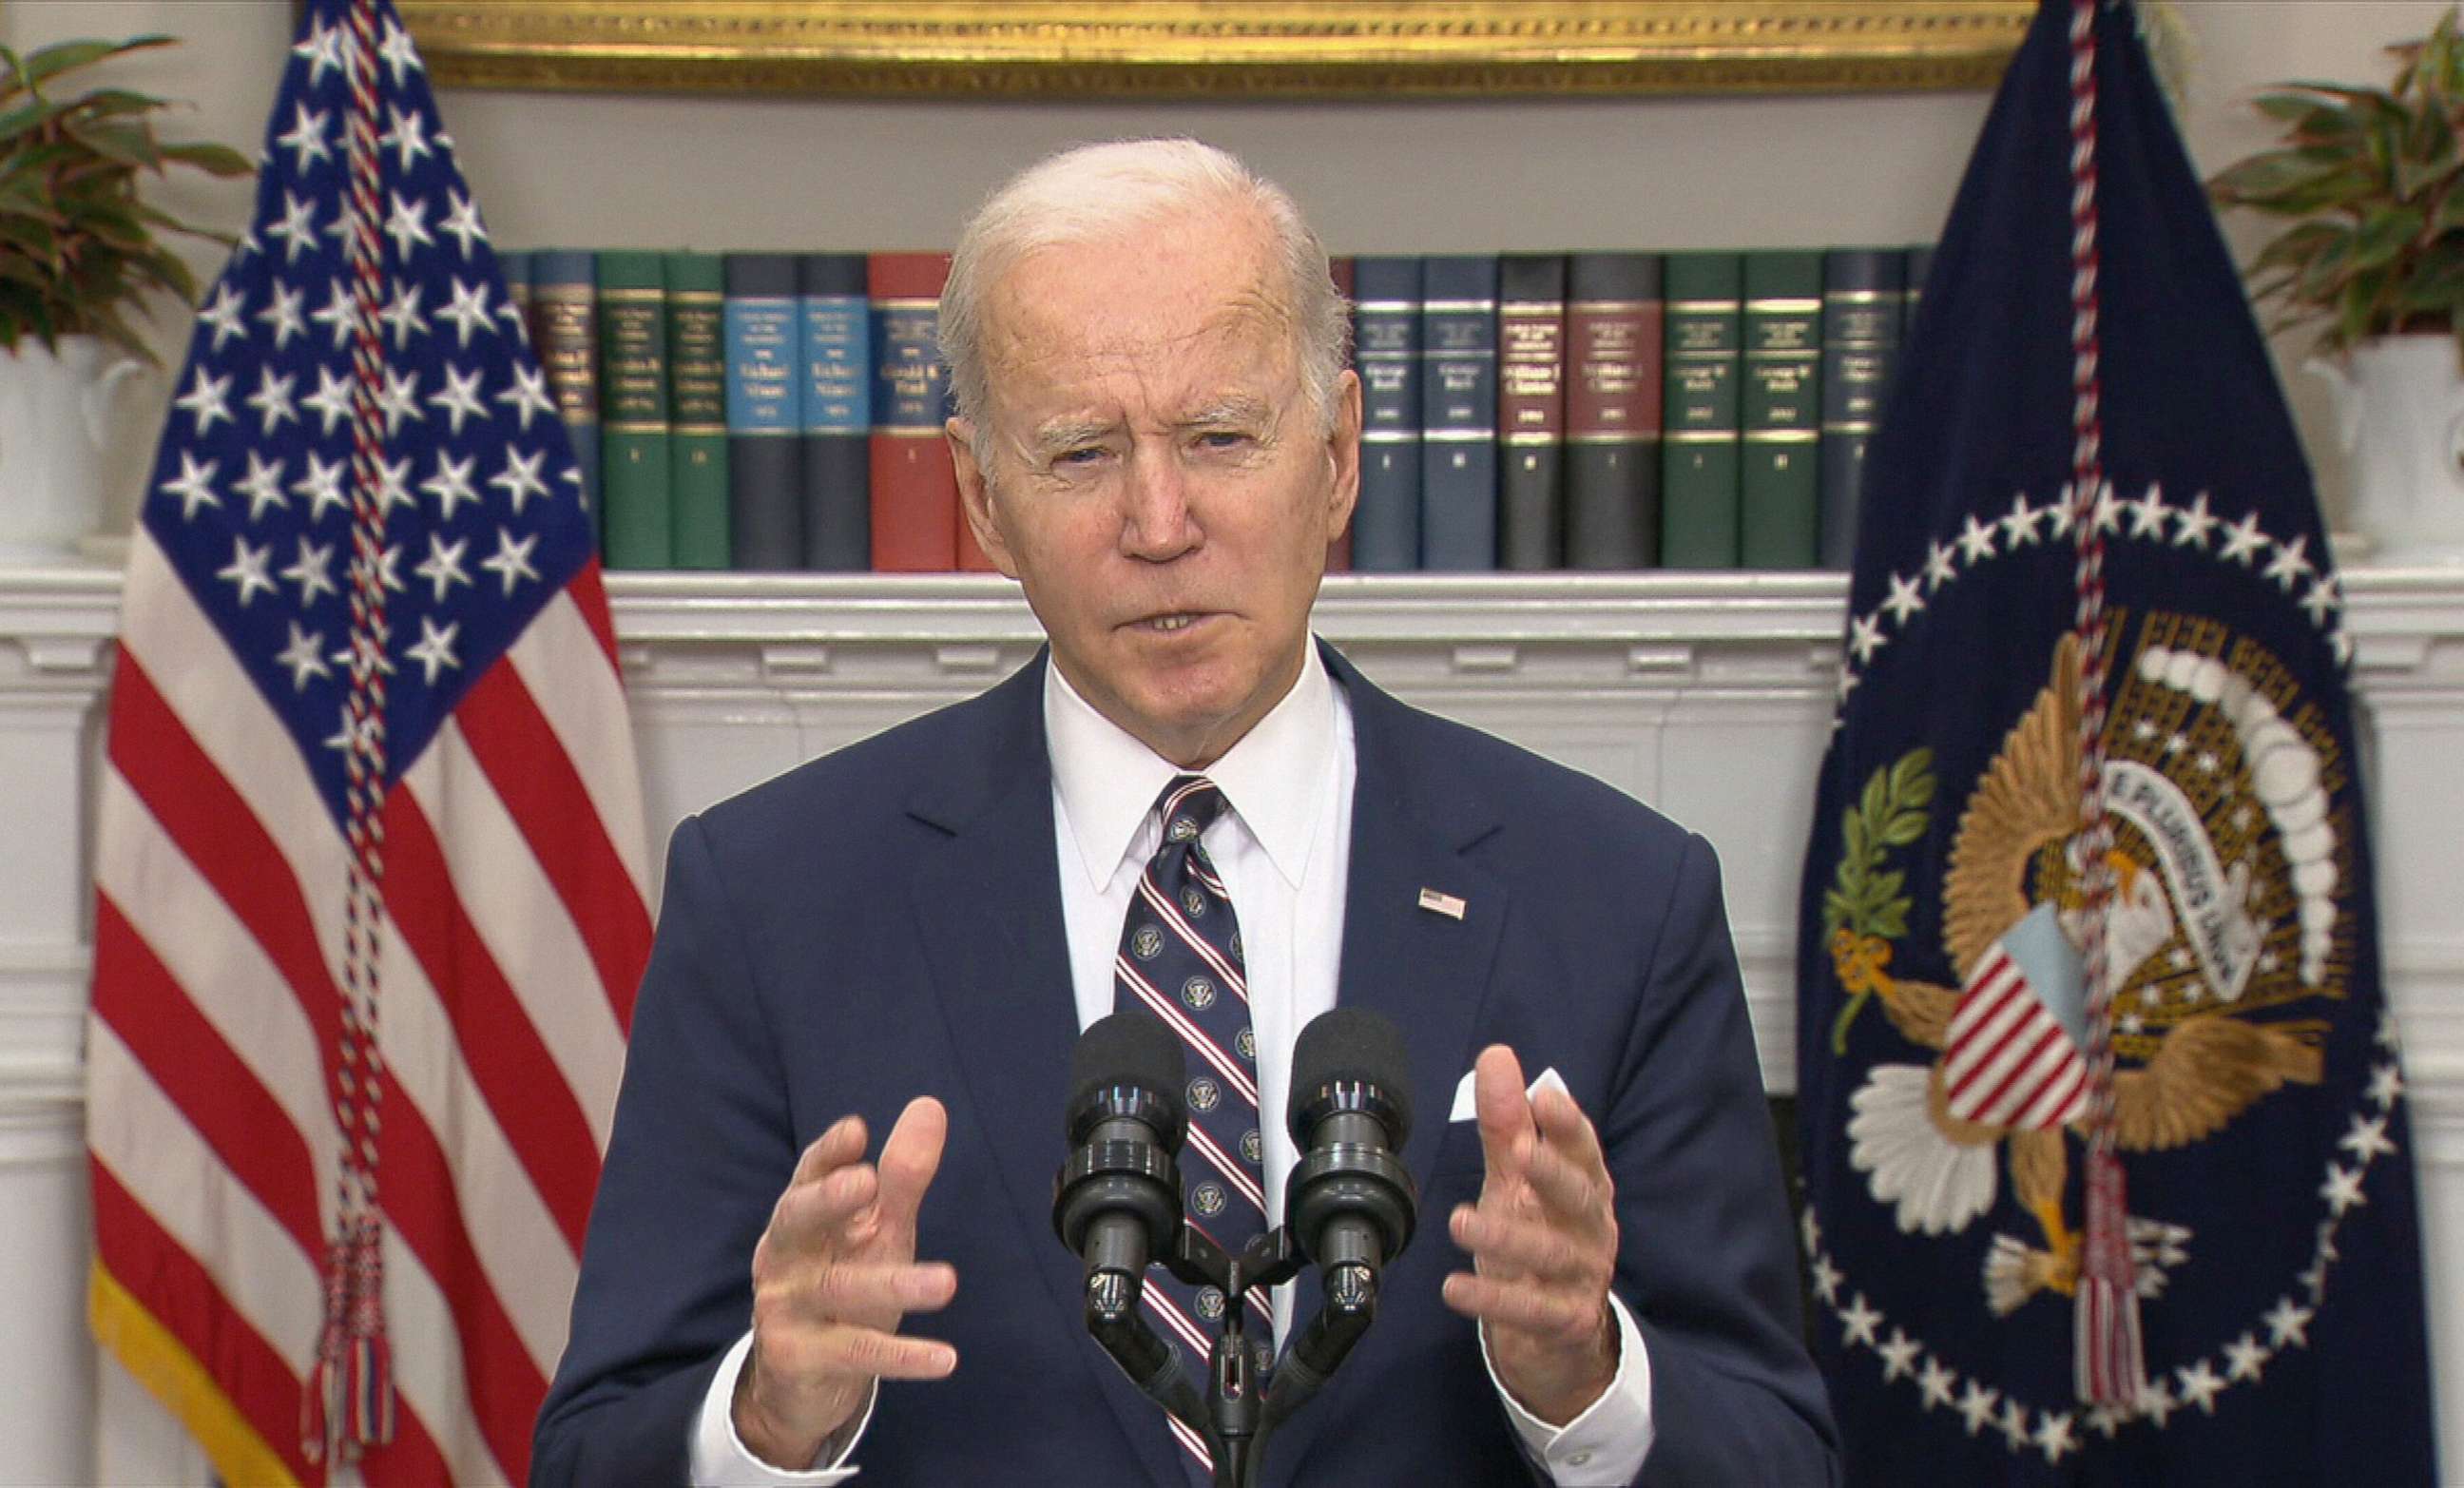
x=1167, y=624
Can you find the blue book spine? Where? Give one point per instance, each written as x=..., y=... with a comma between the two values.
x=1386, y=341
x=564, y=335
x=1458, y=413
x=765, y=413
x=837, y=362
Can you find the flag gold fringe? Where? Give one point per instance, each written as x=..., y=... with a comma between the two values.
x=164, y=1366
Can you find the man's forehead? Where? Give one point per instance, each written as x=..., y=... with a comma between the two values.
x=1190, y=326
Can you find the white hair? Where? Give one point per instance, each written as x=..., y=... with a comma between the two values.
x=1101, y=194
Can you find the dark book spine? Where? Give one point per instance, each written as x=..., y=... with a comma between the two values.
x=764, y=413
x=514, y=265
x=633, y=409
x=1862, y=302
x=1919, y=263
x=697, y=411
x=1781, y=409
x=564, y=335
x=1458, y=413
x=1531, y=409
x=1700, y=337
x=914, y=486
x=837, y=321
x=1339, y=267
x=1612, y=329
x=1386, y=349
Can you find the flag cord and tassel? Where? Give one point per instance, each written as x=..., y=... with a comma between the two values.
x=348, y=1403
x=2110, y=1365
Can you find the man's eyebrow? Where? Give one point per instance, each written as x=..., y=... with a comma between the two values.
x=1069, y=434
x=1237, y=408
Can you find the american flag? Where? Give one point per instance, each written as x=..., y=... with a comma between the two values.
x=371, y=888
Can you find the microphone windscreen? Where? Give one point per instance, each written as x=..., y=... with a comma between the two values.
x=1351, y=1045
x=1131, y=1048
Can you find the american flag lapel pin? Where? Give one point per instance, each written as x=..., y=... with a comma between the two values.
x=1443, y=903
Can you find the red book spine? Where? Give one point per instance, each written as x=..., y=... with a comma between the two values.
x=914, y=486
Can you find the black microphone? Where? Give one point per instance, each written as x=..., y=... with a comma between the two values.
x=1350, y=1203
x=1116, y=1201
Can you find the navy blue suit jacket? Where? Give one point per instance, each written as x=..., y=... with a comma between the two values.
x=886, y=922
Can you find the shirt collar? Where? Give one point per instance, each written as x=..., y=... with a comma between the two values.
x=1107, y=780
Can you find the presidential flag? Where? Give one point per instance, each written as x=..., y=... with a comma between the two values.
x=2109, y=1179
x=370, y=878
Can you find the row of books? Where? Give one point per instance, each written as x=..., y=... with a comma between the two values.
x=1606, y=410
x=1697, y=409
x=757, y=411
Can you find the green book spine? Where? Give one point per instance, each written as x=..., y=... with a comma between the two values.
x=1777, y=516
x=1701, y=335
x=697, y=411
x=633, y=409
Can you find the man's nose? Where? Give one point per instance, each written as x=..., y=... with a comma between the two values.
x=1156, y=524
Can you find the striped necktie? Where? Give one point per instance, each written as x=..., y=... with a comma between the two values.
x=1180, y=960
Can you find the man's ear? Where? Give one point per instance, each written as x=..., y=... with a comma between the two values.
x=975, y=496
x=1343, y=454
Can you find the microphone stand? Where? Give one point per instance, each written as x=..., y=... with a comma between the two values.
x=1235, y=1417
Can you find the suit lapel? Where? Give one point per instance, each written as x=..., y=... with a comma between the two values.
x=1424, y=969
x=988, y=908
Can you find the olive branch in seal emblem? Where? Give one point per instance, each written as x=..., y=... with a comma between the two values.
x=1867, y=910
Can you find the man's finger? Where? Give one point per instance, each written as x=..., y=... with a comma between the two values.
x=909, y=1159
x=872, y=1289
x=823, y=1211
x=1504, y=1113
x=1564, y=1126
x=1553, y=1312
x=1505, y=1247
x=1573, y=1194
x=843, y=1144
x=872, y=1353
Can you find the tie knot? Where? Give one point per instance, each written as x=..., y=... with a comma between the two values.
x=1188, y=806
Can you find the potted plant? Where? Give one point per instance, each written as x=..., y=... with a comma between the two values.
x=2371, y=180
x=79, y=255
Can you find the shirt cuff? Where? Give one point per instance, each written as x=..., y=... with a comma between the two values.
x=720, y=1459
x=1604, y=1445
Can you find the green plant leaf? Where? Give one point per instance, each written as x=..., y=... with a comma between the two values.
x=2385, y=233
x=68, y=55
x=2273, y=173
x=2297, y=246
x=219, y=160
x=1893, y=922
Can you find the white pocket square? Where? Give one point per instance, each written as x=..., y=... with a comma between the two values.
x=1467, y=1108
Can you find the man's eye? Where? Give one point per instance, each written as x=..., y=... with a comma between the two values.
x=1086, y=455
x=1223, y=439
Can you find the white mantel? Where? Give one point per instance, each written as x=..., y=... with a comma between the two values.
x=1707, y=696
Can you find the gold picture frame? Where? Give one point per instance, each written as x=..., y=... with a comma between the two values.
x=1222, y=49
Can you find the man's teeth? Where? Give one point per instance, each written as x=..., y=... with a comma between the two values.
x=1173, y=622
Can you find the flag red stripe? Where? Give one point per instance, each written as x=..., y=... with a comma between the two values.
x=2036, y=1034
x=234, y=1114
x=2041, y=1035
x=546, y=798
x=508, y=1061
x=218, y=834
x=590, y=593
x=188, y=1304
x=505, y=1388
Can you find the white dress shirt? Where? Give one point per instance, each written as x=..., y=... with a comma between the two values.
x=1284, y=850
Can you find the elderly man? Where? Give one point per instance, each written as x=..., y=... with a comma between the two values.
x=1156, y=436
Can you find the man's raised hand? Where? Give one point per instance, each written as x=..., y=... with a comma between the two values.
x=832, y=1275
x=1543, y=1240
